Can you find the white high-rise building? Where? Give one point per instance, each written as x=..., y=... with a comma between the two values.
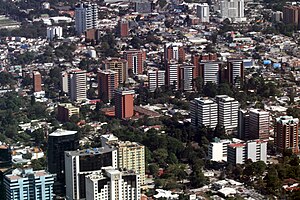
x=211, y=72
x=233, y=10
x=65, y=82
x=259, y=122
x=81, y=163
x=156, y=79
x=54, y=32
x=238, y=153
x=203, y=12
x=77, y=85
x=217, y=151
x=228, y=109
x=111, y=184
x=26, y=184
x=172, y=73
x=86, y=17
x=186, y=77
x=204, y=112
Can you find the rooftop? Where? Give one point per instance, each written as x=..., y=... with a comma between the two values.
x=61, y=132
x=94, y=151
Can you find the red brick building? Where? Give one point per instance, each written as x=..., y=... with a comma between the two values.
x=37, y=81
x=136, y=59
x=107, y=83
x=124, y=103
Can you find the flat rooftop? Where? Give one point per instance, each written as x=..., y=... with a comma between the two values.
x=61, y=132
x=94, y=151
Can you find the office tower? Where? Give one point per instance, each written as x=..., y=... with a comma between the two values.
x=217, y=150
x=232, y=9
x=238, y=153
x=291, y=15
x=118, y=65
x=210, y=72
x=204, y=112
x=26, y=184
x=124, y=103
x=156, y=79
x=80, y=163
x=77, y=85
x=131, y=155
x=112, y=184
x=235, y=72
x=172, y=74
x=259, y=122
x=65, y=82
x=227, y=113
x=143, y=6
x=58, y=142
x=243, y=125
x=5, y=156
x=203, y=12
x=174, y=51
x=123, y=28
x=108, y=82
x=136, y=59
x=286, y=134
x=54, y=32
x=37, y=81
x=86, y=17
x=65, y=111
x=186, y=77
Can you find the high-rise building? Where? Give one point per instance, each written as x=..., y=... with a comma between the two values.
x=124, y=103
x=235, y=72
x=37, y=81
x=210, y=72
x=228, y=109
x=111, y=184
x=79, y=164
x=65, y=82
x=291, y=15
x=86, y=17
x=65, y=111
x=136, y=59
x=54, y=32
x=131, y=155
x=172, y=74
x=243, y=125
x=238, y=153
x=287, y=134
x=123, y=28
x=259, y=122
x=118, y=65
x=108, y=82
x=77, y=85
x=174, y=51
x=58, y=142
x=26, y=184
x=204, y=112
x=233, y=10
x=5, y=156
x=156, y=79
x=203, y=12
x=217, y=150
x=186, y=77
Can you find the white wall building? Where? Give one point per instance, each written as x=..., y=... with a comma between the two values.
x=86, y=17
x=186, y=78
x=156, y=79
x=238, y=153
x=111, y=184
x=211, y=72
x=204, y=112
x=54, y=32
x=203, y=12
x=228, y=109
x=79, y=164
x=217, y=151
x=77, y=85
x=233, y=10
x=172, y=74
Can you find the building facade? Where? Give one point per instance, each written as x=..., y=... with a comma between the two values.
x=124, y=103
x=37, y=81
x=65, y=111
x=235, y=72
x=54, y=32
x=204, y=112
x=123, y=26
x=233, y=10
x=259, y=124
x=118, y=65
x=287, y=134
x=203, y=12
x=186, y=75
x=26, y=184
x=86, y=17
x=108, y=82
x=79, y=164
x=156, y=79
x=174, y=51
x=210, y=72
x=77, y=85
x=217, y=150
x=136, y=59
